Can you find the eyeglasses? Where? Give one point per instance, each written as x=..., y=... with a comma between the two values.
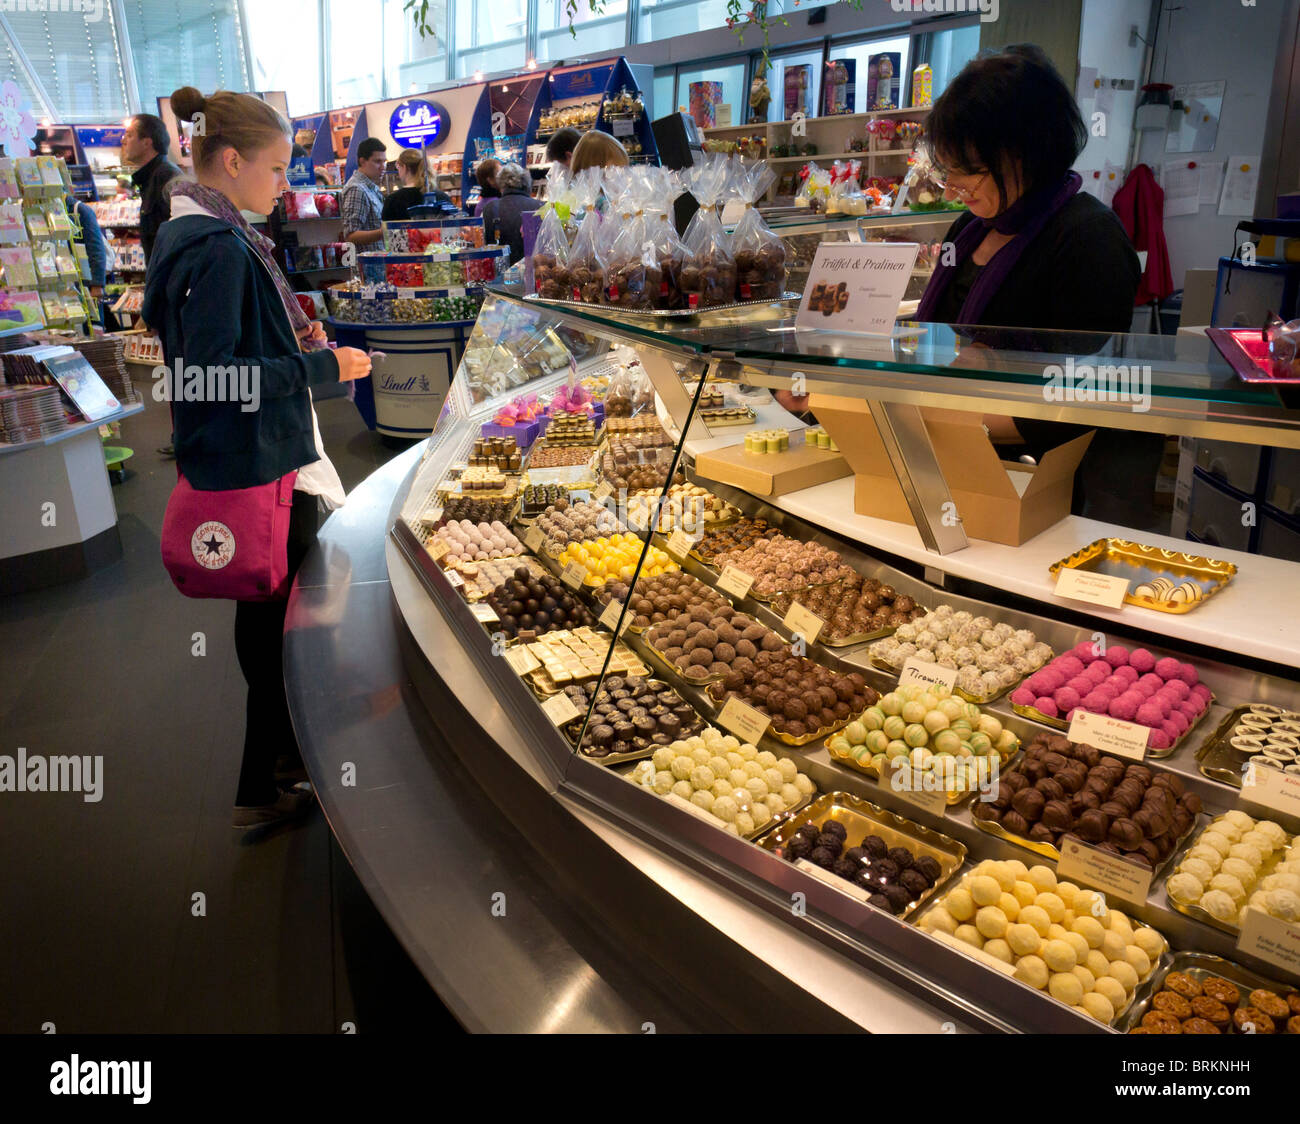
x=943, y=179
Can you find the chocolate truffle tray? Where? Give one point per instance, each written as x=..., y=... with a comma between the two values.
x=865, y=827
x=1202, y=968
x=1168, y=581
x=1152, y=754
x=1258, y=734
x=621, y=693
x=978, y=700
x=681, y=316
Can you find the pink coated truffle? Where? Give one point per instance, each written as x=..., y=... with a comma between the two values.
x=1179, y=721
x=1158, y=739
x=1084, y=651
x=1152, y=680
x=1052, y=678
x=1096, y=701
x=1098, y=669
x=1022, y=696
x=1146, y=689
x=1187, y=674
x=1122, y=708
x=1045, y=706
x=1191, y=708
x=1171, y=730
x=1117, y=655
x=1150, y=714
x=1141, y=661
x=1178, y=688
x=1202, y=692
x=1069, y=666
x=1167, y=668
x=1067, y=698
x=1080, y=683
x=1128, y=673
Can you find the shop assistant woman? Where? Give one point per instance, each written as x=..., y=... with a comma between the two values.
x=216, y=296
x=1036, y=252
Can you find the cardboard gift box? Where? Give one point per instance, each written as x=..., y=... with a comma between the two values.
x=1000, y=501
x=771, y=474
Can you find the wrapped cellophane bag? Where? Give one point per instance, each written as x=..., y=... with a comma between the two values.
x=586, y=265
x=759, y=253
x=662, y=188
x=631, y=279
x=708, y=275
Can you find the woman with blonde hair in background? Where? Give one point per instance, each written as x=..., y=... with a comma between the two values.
x=217, y=298
x=413, y=171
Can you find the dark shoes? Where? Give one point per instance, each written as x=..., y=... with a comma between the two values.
x=168, y=451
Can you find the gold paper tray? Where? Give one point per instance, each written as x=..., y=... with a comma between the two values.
x=1194, y=911
x=544, y=686
x=861, y=818
x=1048, y=851
x=784, y=739
x=952, y=798
x=572, y=728
x=771, y=825
x=848, y=641
x=473, y=596
x=1152, y=754
x=1200, y=966
x=723, y=423
x=1218, y=759
x=659, y=660
x=1141, y=564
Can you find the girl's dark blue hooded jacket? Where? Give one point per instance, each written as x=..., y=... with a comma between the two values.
x=213, y=303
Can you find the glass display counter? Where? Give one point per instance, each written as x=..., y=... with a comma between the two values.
x=711, y=637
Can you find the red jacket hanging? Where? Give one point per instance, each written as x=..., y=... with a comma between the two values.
x=1140, y=205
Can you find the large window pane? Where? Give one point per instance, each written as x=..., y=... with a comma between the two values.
x=412, y=63
x=356, y=46
x=75, y=58
x=11, y=70
x=776, y=77
x=187, y=43
x=297, y=71
x=490, y=35
x=663, y=18
x=861, y=52
x=603, y=31
x=732, y=78
x=664, y=95
x=950, y=51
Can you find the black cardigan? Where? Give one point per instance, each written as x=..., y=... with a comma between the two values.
x=213, y=303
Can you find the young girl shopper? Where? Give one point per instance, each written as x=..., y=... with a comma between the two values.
x=217, y=298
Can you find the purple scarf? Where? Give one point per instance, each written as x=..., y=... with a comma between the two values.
x=221, y=207
x=1025, y=218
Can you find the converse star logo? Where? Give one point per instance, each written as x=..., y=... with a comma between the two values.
x=213, y=545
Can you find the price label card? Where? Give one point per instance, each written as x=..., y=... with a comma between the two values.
x=454, y=578
x=624, y=127
x=924, y=799
x=735, y=582
x=1272, y=940
x=856, y=287
x=804, y=622
x=1110, y=735
x=602, y=491
x=439, y=549
x=484, y=612
x=572, y=575
x=743, y=720
x=1106, y=872
x=1095, y=589
x=560, y=709
x=680, y=544
x=833, y=880
x=927, y=674
x=609, y=618
x=521, y=660
x=1272, y=789
x=534, y=539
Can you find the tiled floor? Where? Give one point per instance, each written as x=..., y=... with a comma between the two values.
x=98, y=920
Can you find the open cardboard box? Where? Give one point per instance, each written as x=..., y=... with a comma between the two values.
x=771, y=474
x=999, y=501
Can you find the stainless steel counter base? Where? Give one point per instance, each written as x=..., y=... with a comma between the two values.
x=524, y=907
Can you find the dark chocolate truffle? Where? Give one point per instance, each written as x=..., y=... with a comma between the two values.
x=900, y=856
x=823, y=857
x=876, y=847
x=898, y=897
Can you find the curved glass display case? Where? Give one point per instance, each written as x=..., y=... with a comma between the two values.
x=713, y=632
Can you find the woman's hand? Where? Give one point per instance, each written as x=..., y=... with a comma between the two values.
x=353, y=363
x=313, y=331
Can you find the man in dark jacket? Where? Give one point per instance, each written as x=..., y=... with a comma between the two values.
x=144, y=146
x=503, y=217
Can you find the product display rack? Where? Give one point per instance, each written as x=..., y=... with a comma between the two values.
x=1240, y=641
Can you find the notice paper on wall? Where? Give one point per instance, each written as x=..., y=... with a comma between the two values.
x=1181, y=180
x=1112, y=179
x=1211, y=183
x=1239, y=186
x=856, y=288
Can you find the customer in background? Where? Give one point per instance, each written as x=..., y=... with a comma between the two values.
x=93, y=239
x=218, y=300
x=145, y=145
x=362, y=205
x=503, y=217
x=486, y=174
x=413, y=171
x=559, y=149
x=597, y=150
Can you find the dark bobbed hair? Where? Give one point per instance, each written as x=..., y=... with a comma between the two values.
x=562, y=144
x=1009, y=105
x=151, y=126
x=368, y=147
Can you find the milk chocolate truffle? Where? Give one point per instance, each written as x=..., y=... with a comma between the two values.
x=1092, y=826
x=1200, y=1026
x=1015, y=823
x=1056, y=815
x=1029, y=802
x=1225, y=992
x=1125, y=834
x=1041, y=833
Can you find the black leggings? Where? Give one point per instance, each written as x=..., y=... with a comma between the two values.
x=259, y=643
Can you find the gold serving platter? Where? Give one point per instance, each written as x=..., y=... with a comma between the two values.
x=862, y=818
x=978, y=700
x=952, y=797
x=781, y=606
x=1201, y=966
x=1036, y=715
x=1221, y=760
x=572, y=728
x=1168, y=581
